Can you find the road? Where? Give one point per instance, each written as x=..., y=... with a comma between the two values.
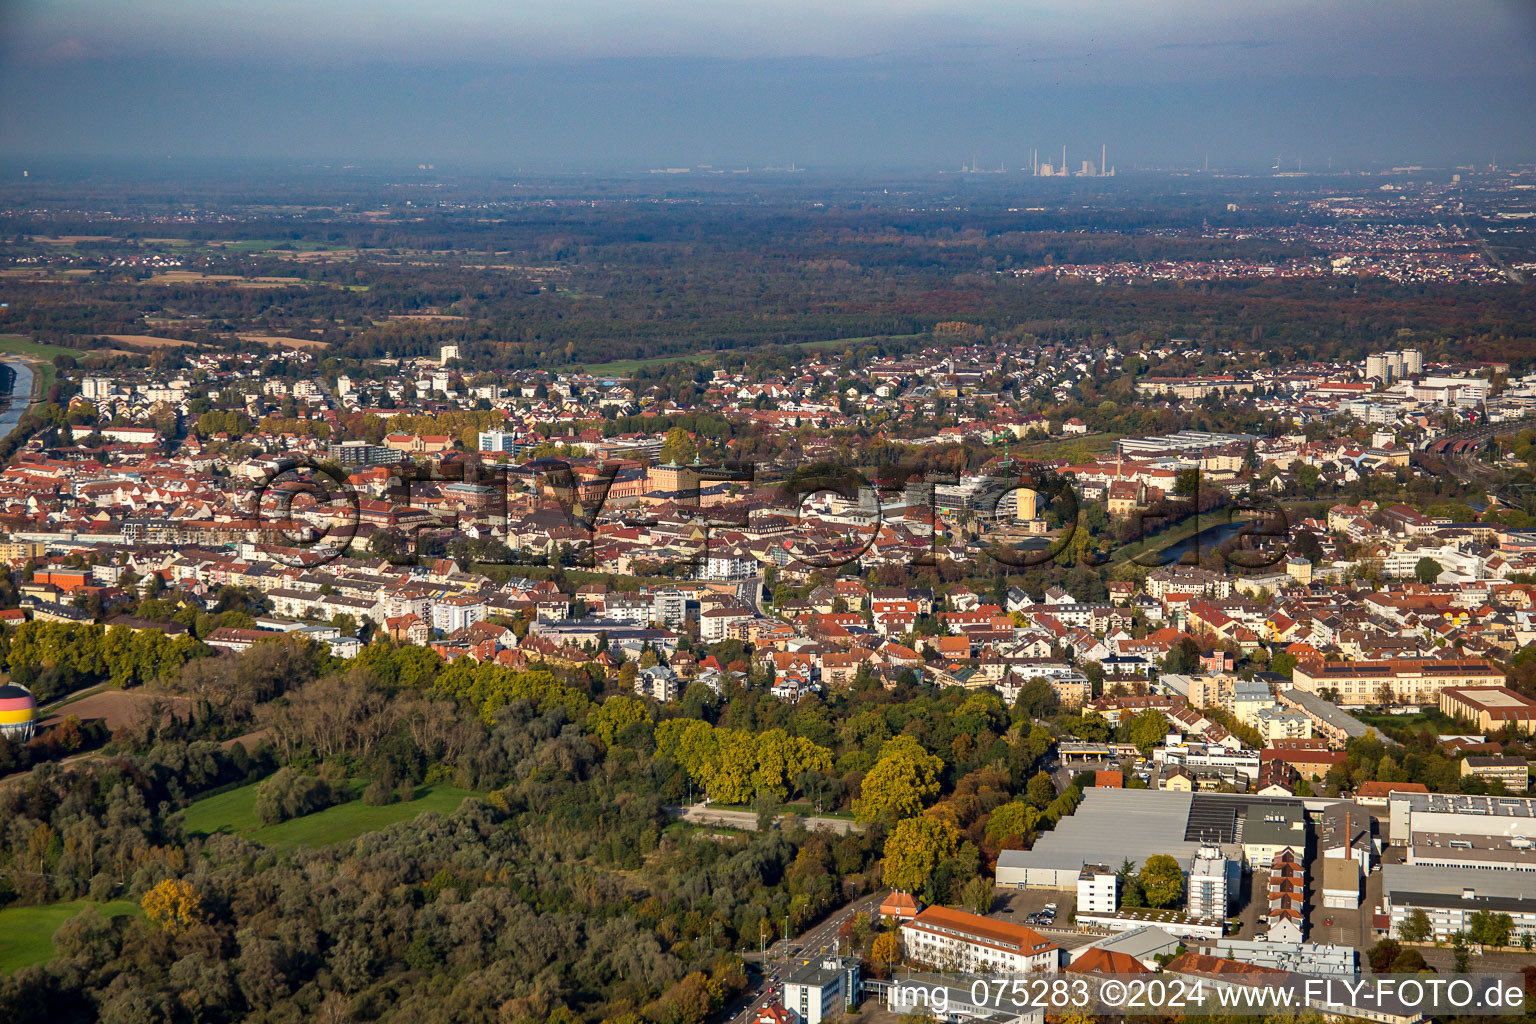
x=1513, y=275
x=703, y=814
x=749, y=592
x=820, y=936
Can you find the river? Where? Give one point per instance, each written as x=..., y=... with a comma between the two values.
x=1215, y=535
x=15, y=393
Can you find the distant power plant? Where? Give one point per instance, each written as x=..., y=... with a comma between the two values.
x=1087, y=169
x=1045, y=169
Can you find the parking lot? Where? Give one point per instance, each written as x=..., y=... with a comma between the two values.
x=1029, y=908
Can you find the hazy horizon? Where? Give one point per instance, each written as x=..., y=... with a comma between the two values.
x=625, y=86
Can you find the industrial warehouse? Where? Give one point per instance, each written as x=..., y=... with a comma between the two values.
x=1120, y=824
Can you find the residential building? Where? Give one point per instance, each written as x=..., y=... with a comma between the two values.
x=952, y=939
x=1513, y=772
x=1098, y=890
x=1274, y=723
x=1274, y=827
x=1407, y=680
x=1209, y=896
x=454, y=613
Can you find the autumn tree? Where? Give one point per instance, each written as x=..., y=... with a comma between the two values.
x=1162, y=880
x=1012, y=823
x=886, y=949
x=977, y=894
x=1041, y=790
x=1490, y=929
x=173, y=905
x=914, y=849
x=678, y=448
x=614, y=715
x=1147, y=730
x=904, y=777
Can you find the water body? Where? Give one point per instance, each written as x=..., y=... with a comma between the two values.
x=15, y=393
x=1210, y=537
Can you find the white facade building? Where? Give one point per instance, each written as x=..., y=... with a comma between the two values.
x=1098, y=890
x=1208, y=891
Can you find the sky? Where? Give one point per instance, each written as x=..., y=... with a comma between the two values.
x=578, y=85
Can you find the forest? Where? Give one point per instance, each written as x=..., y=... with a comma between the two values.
x=522, y=283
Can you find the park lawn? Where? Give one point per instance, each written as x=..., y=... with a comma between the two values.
x=345, y=822
x=26, y=933
x=1431, y=720
x=235, y=812
x=15, y=344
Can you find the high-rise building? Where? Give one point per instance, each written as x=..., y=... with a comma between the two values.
x=501, y=441
x=1208, y=895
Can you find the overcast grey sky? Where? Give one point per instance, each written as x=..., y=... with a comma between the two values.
x=579, y=84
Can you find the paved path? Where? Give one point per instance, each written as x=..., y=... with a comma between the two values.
x=703, y=814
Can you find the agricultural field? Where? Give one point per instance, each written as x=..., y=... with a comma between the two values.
x=147, y=341
x=116, y=707
x=278, y=341
x=621, y=367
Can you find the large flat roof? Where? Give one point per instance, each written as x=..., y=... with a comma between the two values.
x=1421, y=885
x=1462, y=803
x=1492, y=698
x=1109, y=826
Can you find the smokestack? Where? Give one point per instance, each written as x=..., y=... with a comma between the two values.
x=1103, y=158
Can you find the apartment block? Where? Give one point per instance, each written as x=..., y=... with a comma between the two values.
x=954, y=940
